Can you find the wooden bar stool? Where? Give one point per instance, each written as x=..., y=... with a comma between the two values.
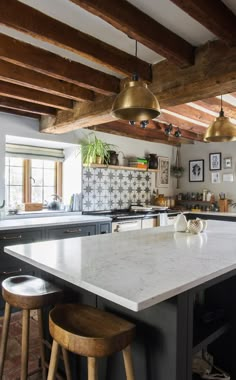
x=89, y=332
x=27, y=293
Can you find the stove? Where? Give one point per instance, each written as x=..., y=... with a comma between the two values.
x=125, y=214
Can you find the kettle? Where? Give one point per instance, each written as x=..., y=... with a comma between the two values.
x=55, y=204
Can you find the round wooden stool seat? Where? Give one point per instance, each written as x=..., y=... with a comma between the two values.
x=29, y=292
x=90, y=332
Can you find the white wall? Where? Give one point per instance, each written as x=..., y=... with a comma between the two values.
x=201, y=151
x=72, y=173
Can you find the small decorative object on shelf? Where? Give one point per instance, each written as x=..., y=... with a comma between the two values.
x=153, y=161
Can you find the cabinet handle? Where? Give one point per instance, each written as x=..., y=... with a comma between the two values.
x=11, y=237
x=72, y=231
x=11, y=272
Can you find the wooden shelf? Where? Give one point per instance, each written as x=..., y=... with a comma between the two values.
x=206, y=334
x=193, y=201
x=117, y=167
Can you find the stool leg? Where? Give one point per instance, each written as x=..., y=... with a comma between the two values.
x=5, y=329
x=66, y=363
x=53, y=361
x=25, y=344
x=41, y=337
x=129, y=369
x=92, y=369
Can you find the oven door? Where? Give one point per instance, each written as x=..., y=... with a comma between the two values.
x=127, y=225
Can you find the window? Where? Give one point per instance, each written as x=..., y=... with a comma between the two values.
x=32, y=180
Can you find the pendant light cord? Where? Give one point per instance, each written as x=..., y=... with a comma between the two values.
x=135, y=76
x=221, y=107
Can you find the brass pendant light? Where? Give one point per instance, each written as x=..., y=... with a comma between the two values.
x=136, y=102
x=221, y=130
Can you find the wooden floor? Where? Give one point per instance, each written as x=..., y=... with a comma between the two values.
x=12, y=363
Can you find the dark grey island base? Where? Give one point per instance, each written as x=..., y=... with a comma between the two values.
x=178, y=289
x=168, y=333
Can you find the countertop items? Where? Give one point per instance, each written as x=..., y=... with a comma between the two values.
x=12, y=224
x=143, y=268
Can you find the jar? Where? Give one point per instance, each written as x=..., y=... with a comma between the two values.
x=160, y=200
x=153, y=161
x=113, y=158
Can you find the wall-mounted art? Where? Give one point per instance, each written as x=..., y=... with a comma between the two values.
x=196, y=170
x=164, y=172
x=227, y=163
x=215, y=161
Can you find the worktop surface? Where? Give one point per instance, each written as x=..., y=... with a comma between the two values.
x=141, y=269
x=11, y=224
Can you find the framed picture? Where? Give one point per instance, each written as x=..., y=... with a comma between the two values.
x=227, y=163
x=164, y=172
x=196, y=171
x=215, y=161
x=228, y=177
x=215, y=177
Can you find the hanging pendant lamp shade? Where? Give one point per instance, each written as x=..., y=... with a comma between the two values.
x=136, y=102
x=221, y=130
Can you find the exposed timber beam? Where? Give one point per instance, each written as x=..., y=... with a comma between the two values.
x=214, y=15
x=33, y=96
x=26, y=106
x=121, y=129
x=19, y=113
x=25, y=19
x=31, y=79
x=186, y=134
x=214, y=105
x=192, y=113
x=214, y=73
x=126, y=17
x=178, y=121
x=42, y=61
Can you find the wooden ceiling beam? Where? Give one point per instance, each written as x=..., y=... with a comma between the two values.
x=125, y=17
x=45, y=62
x=25, y=19
x=187, y=134
x=37, y=81
x=135, y=132
x=192, y=113
x=21, y=105
x=33, y=96
x=214, y=73
x=19, y=113
x=214, y=15
x=214, y=105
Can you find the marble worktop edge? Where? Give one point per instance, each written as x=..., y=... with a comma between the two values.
x=143, y=268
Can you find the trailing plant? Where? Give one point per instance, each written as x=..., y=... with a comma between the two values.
x=95, y=150
x=176, y=171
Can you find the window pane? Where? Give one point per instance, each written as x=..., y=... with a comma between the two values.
x=7, y=175
x=16, y=161
x=37, y=194
x=37, y=177
x=49, y=177
x=6, y=160
x=48, y=191
x=16, y=175
x=16, y=195
x=49, y=164
x=36, y=163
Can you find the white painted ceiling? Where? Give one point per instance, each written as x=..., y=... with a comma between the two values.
x=163, y=11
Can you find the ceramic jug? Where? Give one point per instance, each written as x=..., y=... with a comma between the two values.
x=195, y=226
x=181, y=223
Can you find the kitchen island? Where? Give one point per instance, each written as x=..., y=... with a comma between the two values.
x=152, y=277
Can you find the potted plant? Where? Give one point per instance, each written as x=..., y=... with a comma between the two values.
x=95, y=151
x=176, y=171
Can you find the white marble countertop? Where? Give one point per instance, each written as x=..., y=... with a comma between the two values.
x=11, y=224
x=141, y=269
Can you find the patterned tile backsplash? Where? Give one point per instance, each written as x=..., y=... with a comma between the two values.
x=105, y=188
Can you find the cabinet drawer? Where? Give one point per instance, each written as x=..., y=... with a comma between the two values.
x=19, y=237
x=71, y=231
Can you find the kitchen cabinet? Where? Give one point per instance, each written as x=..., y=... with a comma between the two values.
x=70, y=231
x=10, y=266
